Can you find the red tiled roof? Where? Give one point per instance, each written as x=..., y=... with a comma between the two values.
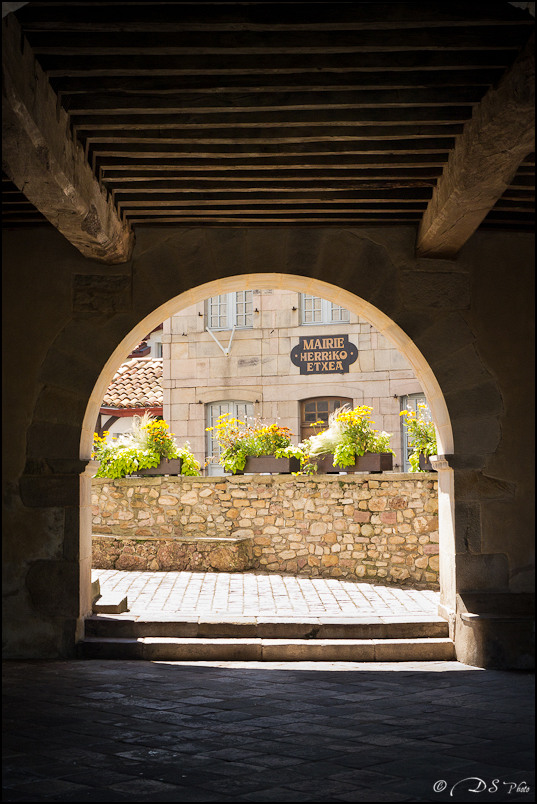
x=136, y=384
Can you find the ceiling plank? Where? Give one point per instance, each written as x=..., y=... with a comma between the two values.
x=92, y=65
x=183, y=102
x=41, y=158
x=416, y=115
x=266, y=17
x=230, y=43
x=486, y=157
x=260, y=82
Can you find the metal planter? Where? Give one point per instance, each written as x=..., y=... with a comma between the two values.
x=370, y=462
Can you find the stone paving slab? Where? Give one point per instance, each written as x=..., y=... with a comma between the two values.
x=252, y=594
x=248, y=731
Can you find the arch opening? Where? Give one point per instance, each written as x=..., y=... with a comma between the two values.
x=382, y=323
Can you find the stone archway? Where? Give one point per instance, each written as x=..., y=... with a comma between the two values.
x=366, y=310
x=428, y=308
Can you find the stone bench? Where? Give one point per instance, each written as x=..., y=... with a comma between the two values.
x=201, y=553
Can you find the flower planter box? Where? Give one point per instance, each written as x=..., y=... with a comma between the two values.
x=370, y=462
x=425, y=463
x=167, y=466
x=269, y=464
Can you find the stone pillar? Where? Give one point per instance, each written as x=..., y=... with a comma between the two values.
x=58, y=575
x=494, y=626
x=85, y=545
x=446, y=527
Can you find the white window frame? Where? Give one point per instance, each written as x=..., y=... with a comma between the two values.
x=237, y=409
x=410, y=402
x=230, y=317
x=329, y=313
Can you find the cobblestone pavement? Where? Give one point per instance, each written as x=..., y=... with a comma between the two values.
x=254, y=594
x=141, y=731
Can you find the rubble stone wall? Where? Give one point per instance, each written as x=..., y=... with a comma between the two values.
x=354, y=527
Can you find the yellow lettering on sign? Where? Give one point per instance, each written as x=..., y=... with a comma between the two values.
x=339, y=366
x=308, y=344
x=309, y=366
x=339, y=343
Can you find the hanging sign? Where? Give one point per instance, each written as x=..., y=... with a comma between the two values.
x=328, y=354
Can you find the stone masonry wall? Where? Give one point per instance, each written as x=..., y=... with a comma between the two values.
x=354, y=527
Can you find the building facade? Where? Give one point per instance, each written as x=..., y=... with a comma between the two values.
x=279, y=356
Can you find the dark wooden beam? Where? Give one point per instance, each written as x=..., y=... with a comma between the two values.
x=306, y=220
x=41, y=158
x=259, y=82
x=274, y=135
x=125, y=198
x=500, y=135
x=157, y=16
x=114, y=64
x=121, y=160
x=420, y=177
x=266, y=184
x=231, y=43
x=306, y=118
x=177, y=102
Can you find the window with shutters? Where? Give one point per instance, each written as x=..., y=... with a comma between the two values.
x=230, y=310
x=315, y=310
x=318, y=409
x=236, y=410
x=411, y=402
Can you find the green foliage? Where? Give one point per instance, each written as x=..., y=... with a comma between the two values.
x=143, y=448
x=349, y=434
x=239, y=440
x=421, y=436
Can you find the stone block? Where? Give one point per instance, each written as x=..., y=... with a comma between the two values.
x=489, y=571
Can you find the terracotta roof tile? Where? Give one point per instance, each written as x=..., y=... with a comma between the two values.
x=136, y=384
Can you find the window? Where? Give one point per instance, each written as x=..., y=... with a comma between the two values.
x=321, y=311
x=236, y=410
x=230, y=310
x=318, y=409
x=411, y=402
x=158, y=349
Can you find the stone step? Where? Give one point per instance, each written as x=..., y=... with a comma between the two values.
x=268, y=650
x=110, y=603
x=110, y=627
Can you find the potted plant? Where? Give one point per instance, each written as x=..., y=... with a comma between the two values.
x=254, y=447
x=421, y=438
x=149, y=449
x=350, y=443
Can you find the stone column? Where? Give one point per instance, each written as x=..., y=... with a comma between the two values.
x=58, y=581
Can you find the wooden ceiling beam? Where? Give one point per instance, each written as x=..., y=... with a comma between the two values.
x=227, y=196
x=417, y=115
x=306, y=219
x=421, y=177
x=334, y=140
x=259, y=82
x=265, y=100
x=268, y=17
x=125, y=161
x=89, y=65
x=40, y=156
x=332, y=151
x=486, y=157
x=267, y=184
x=231, y=43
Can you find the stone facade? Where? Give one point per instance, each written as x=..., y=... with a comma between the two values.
x=258, y=369
x=354, y=527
